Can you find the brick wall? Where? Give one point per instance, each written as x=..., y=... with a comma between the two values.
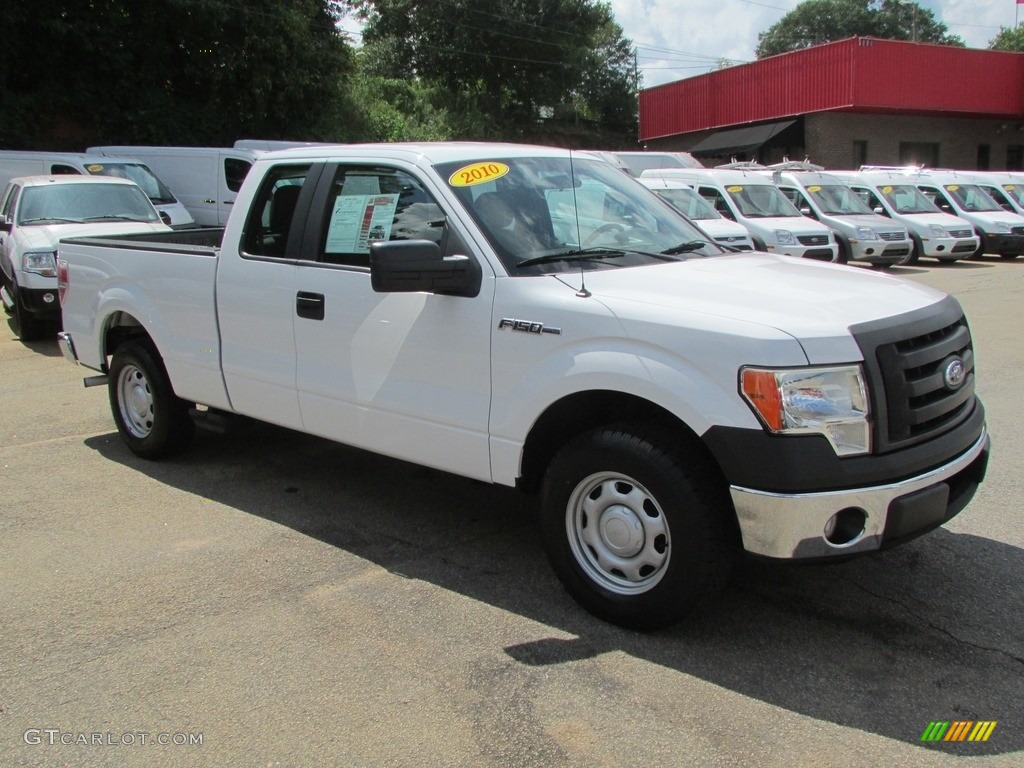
x=829, y=141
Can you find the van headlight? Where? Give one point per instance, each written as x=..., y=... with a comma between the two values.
x=44, y=264
x=866, y=233
x=828, y=401
x=1002, y=228
x=784, y=237
x=937, y=231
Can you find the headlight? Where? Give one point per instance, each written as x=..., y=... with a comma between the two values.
x=866, y=233
x=1002, y=228
x=784, y=237
x=937, y=231
x=828, y=401
x=44, y=264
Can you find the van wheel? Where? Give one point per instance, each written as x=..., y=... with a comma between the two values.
x=843, y=251
x=27, y=326
x=635, y=526
x=152, y=421
x=916, y=249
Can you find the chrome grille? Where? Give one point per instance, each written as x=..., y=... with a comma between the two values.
x=892, y=236
x=960, y=233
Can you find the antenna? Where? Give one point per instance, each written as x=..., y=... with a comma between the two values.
x=582, y=293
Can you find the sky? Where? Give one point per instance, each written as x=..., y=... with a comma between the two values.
x=676, y=39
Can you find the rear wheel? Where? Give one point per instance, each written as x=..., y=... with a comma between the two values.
x=636, y=527
x=152, y=421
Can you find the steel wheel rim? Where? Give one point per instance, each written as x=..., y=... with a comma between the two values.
x=135, y=401
x=618, y=533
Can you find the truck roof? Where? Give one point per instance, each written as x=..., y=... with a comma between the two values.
x=48, y=179
x=432, y=152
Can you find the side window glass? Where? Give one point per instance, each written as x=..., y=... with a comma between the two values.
x=8, y=209
x=58, y=169
x=270, y=219
x=235, y=171
x=717, y=200
x=368, y=204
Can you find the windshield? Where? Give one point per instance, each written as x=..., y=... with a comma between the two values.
x=906, y=198
x=140, y=174
x=1015, y=191
x=689, y=203
x=837, y=199
x=563, y=215
x=972, y=198
x=77, y=203
x=760, y=201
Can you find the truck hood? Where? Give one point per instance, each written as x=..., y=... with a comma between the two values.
x=814, y=302
x=47, y=237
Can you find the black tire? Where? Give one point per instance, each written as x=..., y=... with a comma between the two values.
x=981, y=245
x=152, y=421
x=759, y=244
x=26, y=325
x=844, y=251
x=664, y=518
x=1009, y=256
x=916, y=249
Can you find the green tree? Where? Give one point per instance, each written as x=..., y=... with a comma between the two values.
x=506, y=67
x=1008, y=39
x=820, y=21
x=73, y=72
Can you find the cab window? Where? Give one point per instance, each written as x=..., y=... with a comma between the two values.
x=270, y=221
x=369, y=204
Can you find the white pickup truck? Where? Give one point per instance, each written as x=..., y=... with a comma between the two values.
x=533, y=317
x=35, y=213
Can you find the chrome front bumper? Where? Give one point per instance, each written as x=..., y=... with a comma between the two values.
x=67, y=347
x=792, y=526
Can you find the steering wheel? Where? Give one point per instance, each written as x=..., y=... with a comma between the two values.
x=611, y=226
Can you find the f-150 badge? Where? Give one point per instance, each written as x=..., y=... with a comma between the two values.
x=525, y=326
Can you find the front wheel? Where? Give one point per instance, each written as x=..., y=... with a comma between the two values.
x=27, y=326
x=152, y=421
x=636, y=527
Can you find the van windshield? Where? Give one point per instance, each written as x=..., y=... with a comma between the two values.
x=556, y=214
x=837, y=199
x=972, y=198
x=761, y=201
x=140, y=174
x=79, y=203
x=906, y=198
x=1015, y=191
x=689, y=203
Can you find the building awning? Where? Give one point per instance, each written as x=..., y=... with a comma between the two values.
x=739, y=139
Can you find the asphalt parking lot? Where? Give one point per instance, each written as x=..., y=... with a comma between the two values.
x=271, y=599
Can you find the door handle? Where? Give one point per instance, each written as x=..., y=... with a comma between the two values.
x=309, y=305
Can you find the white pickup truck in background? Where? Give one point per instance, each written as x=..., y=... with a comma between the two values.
x=35, y=213
x=536, y=318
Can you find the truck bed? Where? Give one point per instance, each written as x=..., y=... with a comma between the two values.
x=193, y=241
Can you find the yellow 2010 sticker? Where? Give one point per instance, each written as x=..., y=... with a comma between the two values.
x=814, y=189
x=734, y=189
x=1009, y=187
x=94, y=168
x=477, y=173
x=886, y=190
x=953, y=187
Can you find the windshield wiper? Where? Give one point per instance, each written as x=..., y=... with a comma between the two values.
x=111, y=218
x=576, y=254
x=55, y=219
x=688, y=247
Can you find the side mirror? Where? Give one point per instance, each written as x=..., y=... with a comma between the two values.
x=805, y=211
x=5, y=224
x=409, y=266
x=880, y=211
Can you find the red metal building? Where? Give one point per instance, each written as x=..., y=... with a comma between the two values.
x=861, y=100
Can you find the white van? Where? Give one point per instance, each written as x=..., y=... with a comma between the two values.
x=956, y=193
x=16, y=163
x=933, y=233
x=750, y=199
x=205, y=179
x=638, y=162
x=1005, y=187
x=861, y=234
x=684, y=198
